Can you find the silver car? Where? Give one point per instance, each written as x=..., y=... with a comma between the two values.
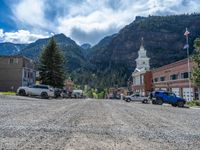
x=136, y=98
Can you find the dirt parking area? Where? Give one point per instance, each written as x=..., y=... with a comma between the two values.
x=28, y=123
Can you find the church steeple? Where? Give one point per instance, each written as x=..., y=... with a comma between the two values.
x=142, y=43
x=142, y=61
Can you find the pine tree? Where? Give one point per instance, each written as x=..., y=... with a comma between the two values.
x=196, y=58
x=51, y=67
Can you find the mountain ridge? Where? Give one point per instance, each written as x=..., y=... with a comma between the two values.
x=111, y=61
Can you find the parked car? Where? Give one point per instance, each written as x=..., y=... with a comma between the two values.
x=77, y=94
x=58, y=92
x=160, y=97
x=72, y=94
x=66, y=94
x=136, y=98
x=44, y=91
x=114, y=96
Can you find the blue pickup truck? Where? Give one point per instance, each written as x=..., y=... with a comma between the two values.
x=160, y=97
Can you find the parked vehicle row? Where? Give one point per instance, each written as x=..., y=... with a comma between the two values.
x=46, y=91
x=157, y=98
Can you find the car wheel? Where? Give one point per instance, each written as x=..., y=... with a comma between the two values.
x=145, y=101
x=154, y=102
x=174, y=105
x=180, y=104
x=159, y=101
x=22, y=93
x=128, y=100
x=44, y=95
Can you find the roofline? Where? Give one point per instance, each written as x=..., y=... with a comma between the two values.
x=168, y=65
x=17, y=56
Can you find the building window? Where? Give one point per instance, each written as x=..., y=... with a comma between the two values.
x=141, y=79
x=162, y=78
x=25, y=74
x=137, y=80
x=185, y=75
x=174, y=77
x=155, y=79
x=13, y=61
x=28, y=74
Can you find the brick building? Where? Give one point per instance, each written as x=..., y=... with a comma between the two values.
x=144, y=83
x=175, y=77
x=16, y=71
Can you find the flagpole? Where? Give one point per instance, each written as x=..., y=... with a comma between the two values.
x=188, y=65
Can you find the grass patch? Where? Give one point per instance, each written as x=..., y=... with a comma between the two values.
x=8, y=93
x=193, y=103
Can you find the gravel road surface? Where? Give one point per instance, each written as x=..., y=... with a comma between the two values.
x=28, y=123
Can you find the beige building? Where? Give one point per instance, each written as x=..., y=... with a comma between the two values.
x=16, y=71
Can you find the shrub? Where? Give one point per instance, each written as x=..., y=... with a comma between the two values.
x=194, y=103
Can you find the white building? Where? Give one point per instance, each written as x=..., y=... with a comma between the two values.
x=139, y=74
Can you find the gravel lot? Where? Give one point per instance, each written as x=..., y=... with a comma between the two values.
x=27, y=123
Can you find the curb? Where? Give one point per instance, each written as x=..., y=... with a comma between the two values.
x=194, y=107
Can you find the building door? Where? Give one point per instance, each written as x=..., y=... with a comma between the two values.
x=196, y=93
x=186, y=94
x=176, y=91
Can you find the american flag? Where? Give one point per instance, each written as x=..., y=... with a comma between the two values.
x=186, y=46
x=186, y=32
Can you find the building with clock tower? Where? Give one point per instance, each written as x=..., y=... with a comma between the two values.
x=142, y=77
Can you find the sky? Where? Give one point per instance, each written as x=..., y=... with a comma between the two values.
x=85, y=21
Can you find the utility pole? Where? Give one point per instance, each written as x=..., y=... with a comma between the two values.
x=188, y=57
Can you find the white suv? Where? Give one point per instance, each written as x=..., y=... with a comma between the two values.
x=44, y=91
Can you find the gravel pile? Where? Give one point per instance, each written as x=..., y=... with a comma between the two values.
x=27, y=123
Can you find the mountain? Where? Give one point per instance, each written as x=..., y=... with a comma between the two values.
x=71, y=51
x=112, y=60
x=86, y=49
x=8, y=48
x=86, y=46
x=163, y=36
x=114, y=56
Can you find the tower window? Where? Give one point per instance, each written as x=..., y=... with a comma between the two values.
x=13, y=61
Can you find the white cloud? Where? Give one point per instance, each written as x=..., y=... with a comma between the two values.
x=1, y=33
x=31, y=12
x=21, y=36
x=92, y=16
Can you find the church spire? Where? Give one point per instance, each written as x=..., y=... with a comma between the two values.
x=142, y=62
x=142, y=42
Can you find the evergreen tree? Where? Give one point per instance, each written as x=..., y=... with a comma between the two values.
x=51, y=67
x=196, y=58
